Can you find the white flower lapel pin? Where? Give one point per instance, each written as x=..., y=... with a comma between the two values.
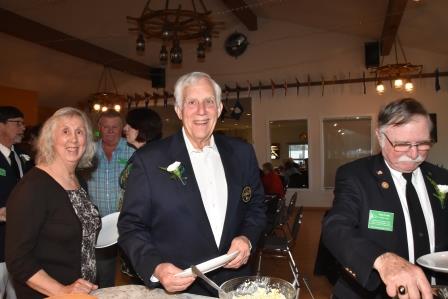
x=25, y=158
x=441, y=191
x=176, y=170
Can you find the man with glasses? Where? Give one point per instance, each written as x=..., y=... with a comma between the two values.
x=388, y=211
x=12, y=167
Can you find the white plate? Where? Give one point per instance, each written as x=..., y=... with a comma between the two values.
x=109, y=232
x=437, y=261
x=210, y=265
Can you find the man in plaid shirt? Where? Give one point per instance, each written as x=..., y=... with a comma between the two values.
x=112, y=155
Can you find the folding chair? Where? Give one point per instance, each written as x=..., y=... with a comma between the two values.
x=280, y=247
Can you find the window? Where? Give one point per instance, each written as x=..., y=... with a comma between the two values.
x=298, y=152
x=345, y=140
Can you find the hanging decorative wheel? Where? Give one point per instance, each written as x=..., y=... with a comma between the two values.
x=236, y=44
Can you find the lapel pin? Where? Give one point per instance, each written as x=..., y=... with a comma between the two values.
x=246, y=194
x=379, y=172
x=385, y=185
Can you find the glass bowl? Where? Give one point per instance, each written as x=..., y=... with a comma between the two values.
x=248, y=285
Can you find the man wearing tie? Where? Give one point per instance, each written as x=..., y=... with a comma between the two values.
x=12, y=168
x=388, y=211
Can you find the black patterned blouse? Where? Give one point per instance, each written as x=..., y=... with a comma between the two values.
x=90, y=220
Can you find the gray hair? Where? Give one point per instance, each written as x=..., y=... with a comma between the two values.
x=400, y=112
x=190, y=79
x=45, y=142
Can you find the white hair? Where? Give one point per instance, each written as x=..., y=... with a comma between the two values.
x=190, y=79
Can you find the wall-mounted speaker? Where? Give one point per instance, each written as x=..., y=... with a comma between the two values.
x=372, y=54
x=157, y=76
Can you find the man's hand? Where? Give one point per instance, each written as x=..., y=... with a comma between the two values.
x=165, y=274
x=242, y=244
x=396, y=271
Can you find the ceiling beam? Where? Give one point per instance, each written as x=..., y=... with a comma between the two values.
x=34, y=32
x=242, y=11
x=395, y=10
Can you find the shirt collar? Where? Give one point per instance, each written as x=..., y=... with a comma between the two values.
x=399, y=175
x=6, y=151
x=190, y=147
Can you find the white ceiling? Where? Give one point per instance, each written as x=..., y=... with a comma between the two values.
x=64, y=80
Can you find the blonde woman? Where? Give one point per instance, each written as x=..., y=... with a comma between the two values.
x=52, y=225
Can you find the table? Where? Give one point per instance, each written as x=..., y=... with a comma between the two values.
x=140, y=292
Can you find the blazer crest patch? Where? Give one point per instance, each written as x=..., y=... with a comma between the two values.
x=246, y=194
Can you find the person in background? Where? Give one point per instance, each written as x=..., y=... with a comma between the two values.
x=52, y=224
x=13, y=164
x=192, y=196
x=112, y=155
x=28, y=144
x=271, y=181
x=290, y=168
x=143, y=125
x=388, y=211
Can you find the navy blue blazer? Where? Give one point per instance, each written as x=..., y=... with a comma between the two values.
x=363, y=185
x=8, y=180
x=163, y=220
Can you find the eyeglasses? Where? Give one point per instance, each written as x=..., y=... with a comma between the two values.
x=19, y=123
x=406, y=146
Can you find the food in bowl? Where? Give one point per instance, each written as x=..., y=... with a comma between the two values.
x=259, y=287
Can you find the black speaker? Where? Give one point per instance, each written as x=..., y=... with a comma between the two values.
x=372, y=54
x=157, y=76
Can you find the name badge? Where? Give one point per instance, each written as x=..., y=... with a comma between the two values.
x=381, y=220
x=122, y=161
x=2, y=172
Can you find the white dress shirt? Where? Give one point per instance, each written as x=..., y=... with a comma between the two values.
x=6, y=151
x=209, y=173
x=419, y=185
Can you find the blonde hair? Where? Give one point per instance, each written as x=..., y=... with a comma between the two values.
x=45, y=150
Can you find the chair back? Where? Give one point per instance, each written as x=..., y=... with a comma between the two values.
x=275, y=219
x=291, y=205
x=296, y=225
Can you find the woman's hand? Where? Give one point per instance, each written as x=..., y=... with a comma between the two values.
x=80, y=286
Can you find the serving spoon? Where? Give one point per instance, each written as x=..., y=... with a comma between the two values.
x=221, y=292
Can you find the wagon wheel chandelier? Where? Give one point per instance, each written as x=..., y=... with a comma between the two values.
x=172, y=26
x=399, y=73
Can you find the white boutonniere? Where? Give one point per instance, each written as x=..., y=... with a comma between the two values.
x=176, y=170
x=441, y=191
x=25, y=158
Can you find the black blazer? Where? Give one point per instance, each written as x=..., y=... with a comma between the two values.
x=8, y=180
x=165, y=221
x=363, y=185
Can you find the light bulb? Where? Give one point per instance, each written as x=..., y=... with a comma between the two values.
x=380, y=88
x=409, y=86
x=117, y=107
x=104, y=108
x=96, y=107
x=398, y=83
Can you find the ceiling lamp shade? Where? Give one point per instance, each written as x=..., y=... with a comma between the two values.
x=172, y=25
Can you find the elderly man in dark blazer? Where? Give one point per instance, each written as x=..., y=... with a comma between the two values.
x=389, y=210
x=192, y=197
x=13, y=164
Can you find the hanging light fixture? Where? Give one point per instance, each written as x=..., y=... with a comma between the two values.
x=175, y=25
x=409, y=86
x=397, y=72
x=140, y=43
x=107, y=96
x=380, y=87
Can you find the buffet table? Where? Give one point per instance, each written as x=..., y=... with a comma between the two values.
x=140, y=292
